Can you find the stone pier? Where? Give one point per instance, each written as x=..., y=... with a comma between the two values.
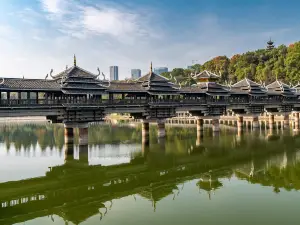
x=240, y=122
x=255, y=122
x=145, y=131
x=215, y=125
x=296, y=119
x=200, y=123
x=286, y=121
x=83, y=135
x=69, y=134
x=161, y=128
x=69, y=151
x=271, y=121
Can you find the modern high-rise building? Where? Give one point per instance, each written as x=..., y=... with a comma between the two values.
x=136, y=73
x=159, y=70
x=114, y=73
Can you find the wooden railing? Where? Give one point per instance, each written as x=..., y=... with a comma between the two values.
x=138, y=102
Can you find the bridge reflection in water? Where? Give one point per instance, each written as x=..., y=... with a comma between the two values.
x=77, y=190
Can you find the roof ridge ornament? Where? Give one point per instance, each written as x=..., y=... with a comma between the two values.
x=51, y=71
x=103, y=76
x=46, y=76
x=74, y=60
x=98, y=72
x=2, y=82
x=151, y=67
x=106, y=86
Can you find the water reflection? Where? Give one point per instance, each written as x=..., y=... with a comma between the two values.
x=79, y=187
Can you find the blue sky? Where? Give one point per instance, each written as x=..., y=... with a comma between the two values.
x=38, y=35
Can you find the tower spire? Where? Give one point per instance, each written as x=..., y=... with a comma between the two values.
x=270, y=44
x=74, y=60
x=151, y=67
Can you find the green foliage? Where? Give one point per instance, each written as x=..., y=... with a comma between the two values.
x=265, y=65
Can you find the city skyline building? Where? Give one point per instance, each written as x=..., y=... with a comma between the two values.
x=136, y=73
x=160, y=70
x=114, y=72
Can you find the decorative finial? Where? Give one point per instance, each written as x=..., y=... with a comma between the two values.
x=74, y=60
x=151, y=68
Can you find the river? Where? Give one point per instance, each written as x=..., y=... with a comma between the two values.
x=226, y=178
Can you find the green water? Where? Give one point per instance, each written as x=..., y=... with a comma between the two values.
x=252, y=178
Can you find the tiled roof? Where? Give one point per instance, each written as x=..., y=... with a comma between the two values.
x=126, y=87
x=82, y=86
x=192, y=89
x=152, y=77
x=156, y=83
x=75, y=71
x=31, y=84
x=249, y=87
x=206, y=74
x=213, y=88
x=279, y=87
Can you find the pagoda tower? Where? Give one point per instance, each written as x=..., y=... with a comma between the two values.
x=270, y=44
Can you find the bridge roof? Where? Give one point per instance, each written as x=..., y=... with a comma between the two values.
x=206, y=74
x=76, y=80
x=278, y=87
x=250, y=87
x=155, y=84
x=30, y=84
x=75, y=71
x=192, y=90
x=126, y=87
x=213, y=88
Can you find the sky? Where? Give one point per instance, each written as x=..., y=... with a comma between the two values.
x=39, y=35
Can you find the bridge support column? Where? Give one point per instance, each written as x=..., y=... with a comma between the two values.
x=161, y=128
x=69, y=142
x=83, y=143
x=255, y=122
x=215, y=125
x=200, y=127
x=83, y=136
x=271, y=121
x=200, y=123
x=296, y=118
x=69, y=134
x=199, y=138
x=145, y=131
x=69, y=151
x=240, y=121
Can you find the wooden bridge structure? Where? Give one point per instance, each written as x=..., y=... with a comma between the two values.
x=76, y=97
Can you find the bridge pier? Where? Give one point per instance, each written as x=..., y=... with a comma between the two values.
x=200, y=123
x=255, y=122
x=199, y=138
x=271, y=121
x=69, y=134
x=83, y=135
x=161, y=128
x=145, y=131
x=296, y=118
x=215, y=125
x=286, y=121
x=69, y=151
x=240, y=121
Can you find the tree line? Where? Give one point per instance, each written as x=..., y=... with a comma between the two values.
x=262, y=65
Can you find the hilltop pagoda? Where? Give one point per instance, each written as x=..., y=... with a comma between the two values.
x=270, y=44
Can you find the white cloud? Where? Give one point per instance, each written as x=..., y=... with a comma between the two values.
x=53, y=6
x=109, y=21
x=78, y=20
x=103, y=35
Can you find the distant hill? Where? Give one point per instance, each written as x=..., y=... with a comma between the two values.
x=282, y=62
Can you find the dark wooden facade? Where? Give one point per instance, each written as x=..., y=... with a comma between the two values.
x=81, y=94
